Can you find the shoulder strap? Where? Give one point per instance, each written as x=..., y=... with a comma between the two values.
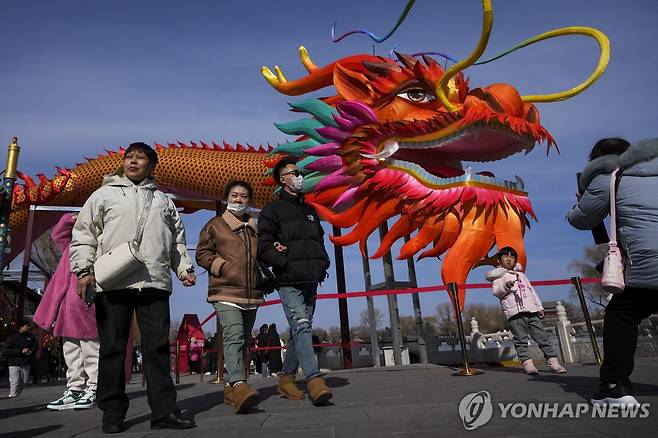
x=613, y=206
x=141, y=222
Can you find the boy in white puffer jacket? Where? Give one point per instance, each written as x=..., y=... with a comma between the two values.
x=523, y=310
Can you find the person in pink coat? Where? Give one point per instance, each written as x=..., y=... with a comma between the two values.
x=523, y=310
x=62, y=312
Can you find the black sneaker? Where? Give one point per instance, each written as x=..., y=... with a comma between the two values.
x=613, y=394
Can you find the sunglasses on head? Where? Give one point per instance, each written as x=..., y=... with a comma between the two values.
x=293, y=172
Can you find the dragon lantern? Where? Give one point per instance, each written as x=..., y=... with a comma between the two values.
x=393, y=140
x=390, y=143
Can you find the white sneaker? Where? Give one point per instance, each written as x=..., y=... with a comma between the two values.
x=87, y=401
x=66, y=401
x=555, y=366
x=529, y=367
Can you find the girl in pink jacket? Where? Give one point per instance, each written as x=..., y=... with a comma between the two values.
x=62, y=312
x=523, y=310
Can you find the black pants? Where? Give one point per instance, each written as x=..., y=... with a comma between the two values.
x=114, y=312
x=620, y=328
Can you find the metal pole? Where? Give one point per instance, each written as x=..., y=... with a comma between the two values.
x=393, y=312
x=201, y=366
x=27, y=252
x=372, y=322
x=588, y=321
x=6, y=194
x=454, y=297
x=420, y=327
x=218, y=330
x=342, y=303
x=177, y=361
x=246, y=350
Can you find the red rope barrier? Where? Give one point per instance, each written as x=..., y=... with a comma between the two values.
x=412, y=290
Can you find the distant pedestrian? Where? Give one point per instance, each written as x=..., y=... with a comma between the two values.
x=274, y=361
x=20, y=348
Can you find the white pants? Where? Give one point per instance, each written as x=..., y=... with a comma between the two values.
x=81, y=357
x=17, y=378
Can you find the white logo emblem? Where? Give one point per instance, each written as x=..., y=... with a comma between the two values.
x=476, y=409
x=310, y=217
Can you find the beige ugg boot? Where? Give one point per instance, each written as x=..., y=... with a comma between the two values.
x=227, y=394
x=529, y=367
x=243, y=397
x=287, y=388
x=555, y=366
x=318, y=391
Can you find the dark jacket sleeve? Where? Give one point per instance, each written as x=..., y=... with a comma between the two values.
x=13, y=350
x=321, y=231
x=268, y=229
x=33, y=345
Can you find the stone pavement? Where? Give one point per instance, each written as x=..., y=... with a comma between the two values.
x=411, y=401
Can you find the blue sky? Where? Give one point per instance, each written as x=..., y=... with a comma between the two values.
x=77, y=77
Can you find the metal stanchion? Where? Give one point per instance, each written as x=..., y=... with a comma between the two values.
x=201, y=366
x=588, y=321
x=466, y=371
x=177, y=361
x=218, y=347
x=246, y=362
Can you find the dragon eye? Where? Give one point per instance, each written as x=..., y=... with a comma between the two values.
x=416, y=95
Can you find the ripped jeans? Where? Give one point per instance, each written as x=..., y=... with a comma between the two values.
x=299, y=305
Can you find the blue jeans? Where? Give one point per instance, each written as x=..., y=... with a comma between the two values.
x=299, y=305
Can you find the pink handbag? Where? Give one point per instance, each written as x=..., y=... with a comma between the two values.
x=612, y=279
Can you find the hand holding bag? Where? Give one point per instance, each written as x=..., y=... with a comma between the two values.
x=266, y=281
x=123, y=260
x=612, y=279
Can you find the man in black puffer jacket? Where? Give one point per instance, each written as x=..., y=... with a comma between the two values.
x=291, y=240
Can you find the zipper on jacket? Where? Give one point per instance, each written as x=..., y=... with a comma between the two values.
x=247, y=247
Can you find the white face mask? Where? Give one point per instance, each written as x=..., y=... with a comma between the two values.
x=236, y=208
x=298, y=183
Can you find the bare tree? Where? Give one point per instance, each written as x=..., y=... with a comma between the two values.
x=334, y=334
x=490, y=317
x=379, y=318
x=408, y=325
x=446, y=325
x=586, y=268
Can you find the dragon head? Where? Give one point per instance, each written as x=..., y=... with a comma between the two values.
x=396, y=140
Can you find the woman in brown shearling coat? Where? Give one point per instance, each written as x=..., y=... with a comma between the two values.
x=227, y=249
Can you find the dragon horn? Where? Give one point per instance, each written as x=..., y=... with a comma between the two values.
x=604, y=57
x=306, y=60
x=442, y=86
x=317, y=78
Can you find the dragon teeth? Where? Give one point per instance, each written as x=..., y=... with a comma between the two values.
x=467, y=176
x=390, y=147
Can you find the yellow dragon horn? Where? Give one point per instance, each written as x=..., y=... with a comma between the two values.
x=442, y=85
x=604, y=58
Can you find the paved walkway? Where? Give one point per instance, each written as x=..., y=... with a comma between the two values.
x=411, y=401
